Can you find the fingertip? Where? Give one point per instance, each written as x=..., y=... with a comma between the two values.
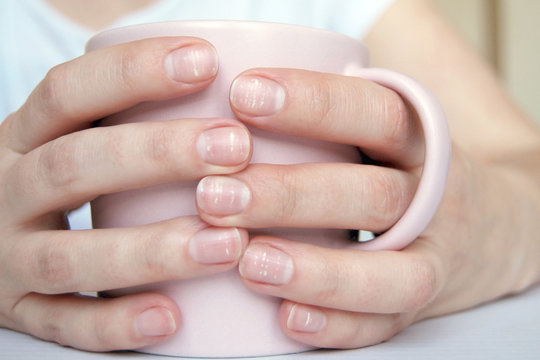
x=97, y=324
x=333, y=328
x=192, y=63
x=227, y=145
x=155, y=321
x=216, y=245
x=149, y=318
x=303, y=323
x=256, y=96
x=284, y=314
x=302, y=319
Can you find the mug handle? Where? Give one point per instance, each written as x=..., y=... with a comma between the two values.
x=436, y=159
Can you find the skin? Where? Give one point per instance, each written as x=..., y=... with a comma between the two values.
x=481, y=245
x=62, y=164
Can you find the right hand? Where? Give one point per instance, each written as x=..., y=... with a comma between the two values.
x=52, y=161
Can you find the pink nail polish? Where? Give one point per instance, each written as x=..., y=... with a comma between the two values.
x=306, y=319
x=224, y=146
x=215, y=246
x=257, y=96
x=266, y=264
x=222, y=195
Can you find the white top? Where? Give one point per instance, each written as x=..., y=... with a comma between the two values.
x=34, y=37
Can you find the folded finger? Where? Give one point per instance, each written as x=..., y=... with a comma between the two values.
x=55, y=262
x=344, y=196
x=330, y=107
x=78, y=167
x=330, y=328
x=375, y=282
x=108, y=80
x=96, y=324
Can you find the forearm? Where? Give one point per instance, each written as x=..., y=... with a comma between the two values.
x=413, y=38
x=502, y=143
x=523, y=208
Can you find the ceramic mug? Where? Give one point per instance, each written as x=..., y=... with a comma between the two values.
x=220, y=316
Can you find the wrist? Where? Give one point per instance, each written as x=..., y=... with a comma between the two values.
x=520, y=186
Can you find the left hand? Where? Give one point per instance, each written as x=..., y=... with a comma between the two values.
x=343, y=298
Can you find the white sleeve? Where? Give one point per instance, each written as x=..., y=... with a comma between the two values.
x=350, y=17
x=356, y=17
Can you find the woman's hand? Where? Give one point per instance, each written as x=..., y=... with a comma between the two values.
x=51, y=161
x=482, y=243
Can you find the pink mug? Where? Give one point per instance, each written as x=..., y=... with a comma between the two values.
x=220, y=316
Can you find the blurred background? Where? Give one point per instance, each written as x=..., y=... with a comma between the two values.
x=507, y=33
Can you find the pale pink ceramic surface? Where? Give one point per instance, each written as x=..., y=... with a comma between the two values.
x=220, y=317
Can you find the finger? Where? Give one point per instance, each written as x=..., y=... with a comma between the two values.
x=330, y=107
x=54, y=262
x=375, y=282
x=302, y=196
x=78, y=167
x=329, y=328
x=107, y=80
x=98, y=324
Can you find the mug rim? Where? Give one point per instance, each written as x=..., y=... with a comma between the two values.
x=249, y=25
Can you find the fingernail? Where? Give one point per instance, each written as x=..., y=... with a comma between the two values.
x=306, y=319
x=256, y=96
x=215, y=246
x=191, y=63
x=156, y=321
x=221, y=195
x=224, y=146
x=266, y=264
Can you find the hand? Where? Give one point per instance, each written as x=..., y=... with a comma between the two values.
x=52, y=161
x=479, y=246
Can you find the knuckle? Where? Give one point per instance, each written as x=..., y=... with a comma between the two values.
x=48, y=324
x=52, y=325
x=319, y=98
x=353, y=338
x=333, y=276
x=53, y=270
x=160, y=148
x=149, y=256
x=159, y=260
x=395, y=323
x=399, y=126
x=423, y=285
x=128, y=70
x=367, y=329
x=377, y=329
x=58, y=164
x=386, y=328
x=51, y=90
x=287, y=194
x=152, y=253
x=53, y=332
x=104, y=338
x=390, y=199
